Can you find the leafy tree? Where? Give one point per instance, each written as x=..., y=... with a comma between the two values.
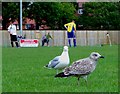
x=55, y=13
x=9, y=10
x=96, y=15
x=101, y=15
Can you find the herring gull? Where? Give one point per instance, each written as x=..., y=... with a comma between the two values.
x=81, y=68
x=60, y=62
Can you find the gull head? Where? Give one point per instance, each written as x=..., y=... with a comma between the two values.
x=95, y=56
x=65, y=48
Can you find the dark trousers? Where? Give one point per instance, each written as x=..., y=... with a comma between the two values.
x=74, y=41
x=14, y=39
x=45, y=41
x=71, y=35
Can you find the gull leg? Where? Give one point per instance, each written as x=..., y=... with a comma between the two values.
x=78, y=80
x=57, y=71
x=85, y=77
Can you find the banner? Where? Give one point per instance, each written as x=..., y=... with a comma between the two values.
x=29, y=43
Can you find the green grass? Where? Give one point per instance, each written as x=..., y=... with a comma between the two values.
x=23, y=71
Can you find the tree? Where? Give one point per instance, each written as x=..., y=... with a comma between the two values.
x=9, y=11
x=100, y=15
x=55, y=13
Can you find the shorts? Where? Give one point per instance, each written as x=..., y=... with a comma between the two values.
x=71, y=34
x=13, y=37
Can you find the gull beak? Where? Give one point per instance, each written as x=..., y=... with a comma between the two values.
x=101, y=56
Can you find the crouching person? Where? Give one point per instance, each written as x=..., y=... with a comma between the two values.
x=46, y=38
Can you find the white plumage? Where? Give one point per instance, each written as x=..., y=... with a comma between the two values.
x=60, y=62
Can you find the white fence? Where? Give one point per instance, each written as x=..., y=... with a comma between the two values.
x=84, y=38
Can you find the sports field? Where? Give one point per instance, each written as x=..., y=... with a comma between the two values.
x=23, y=70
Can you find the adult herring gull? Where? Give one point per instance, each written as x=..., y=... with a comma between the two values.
x=60, y=62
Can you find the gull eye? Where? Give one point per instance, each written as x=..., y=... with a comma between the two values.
x=94, y=54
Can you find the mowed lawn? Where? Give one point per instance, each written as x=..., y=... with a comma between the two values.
x=23, y=70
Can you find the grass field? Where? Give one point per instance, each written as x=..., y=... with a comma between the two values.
x=23, y=70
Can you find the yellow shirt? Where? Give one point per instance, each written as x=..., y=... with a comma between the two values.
x=70, y=26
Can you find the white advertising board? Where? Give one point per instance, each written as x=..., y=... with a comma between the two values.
x=29, y=43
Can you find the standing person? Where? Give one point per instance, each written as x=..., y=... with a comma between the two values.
x=71, y=32
x=108, y=39
x=13, y=33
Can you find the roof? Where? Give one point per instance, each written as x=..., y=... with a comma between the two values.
x=27, y=21
x=30, y=21
x=82, y=0
x=0, y=17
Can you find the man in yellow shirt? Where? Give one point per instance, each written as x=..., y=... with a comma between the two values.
x=71, y=29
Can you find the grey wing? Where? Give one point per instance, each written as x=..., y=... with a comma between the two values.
x=54, y=62
x=80, y=67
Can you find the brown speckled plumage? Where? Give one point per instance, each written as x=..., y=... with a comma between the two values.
x=82, y=67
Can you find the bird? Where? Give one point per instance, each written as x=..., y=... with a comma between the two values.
x=82, y=67
x=60, y=62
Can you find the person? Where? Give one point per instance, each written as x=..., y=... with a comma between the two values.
x=71, y=32
x=108, y=38
x=13, y=34
x=45, y=39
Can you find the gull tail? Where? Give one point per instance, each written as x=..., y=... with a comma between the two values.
x=62, y=75
x=46, y=66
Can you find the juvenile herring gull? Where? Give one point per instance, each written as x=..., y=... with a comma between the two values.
x=81, y=68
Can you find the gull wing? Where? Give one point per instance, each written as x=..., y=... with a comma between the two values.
x=54, y=62
x=80, y=67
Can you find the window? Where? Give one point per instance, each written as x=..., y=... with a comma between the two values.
x=80, y=11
